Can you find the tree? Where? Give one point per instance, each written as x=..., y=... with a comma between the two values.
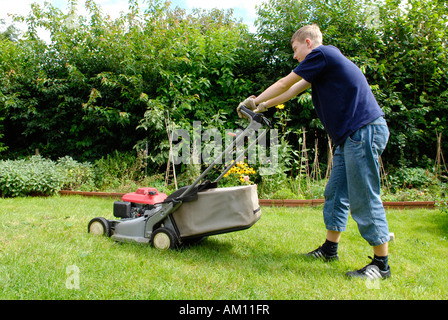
x=102, y=84
x=99, y=81
x=411, y=75
x=400, y=46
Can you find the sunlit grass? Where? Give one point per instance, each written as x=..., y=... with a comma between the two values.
x=40, y=238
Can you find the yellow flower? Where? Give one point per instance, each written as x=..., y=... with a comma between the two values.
x=240, y=173
x=280, y=106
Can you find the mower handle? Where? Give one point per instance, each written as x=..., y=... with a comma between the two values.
x=258, y=117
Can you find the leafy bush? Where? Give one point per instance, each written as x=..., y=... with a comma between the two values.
x=33, y=176
x=85, y=91
x=411, y=178
x=77, y=176
x=118, y=169
x=36, y=176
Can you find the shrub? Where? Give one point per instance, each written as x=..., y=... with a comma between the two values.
x=410, y=178
x=36, y=176
x=119, y=169
x=77, y=176
x=32, y=176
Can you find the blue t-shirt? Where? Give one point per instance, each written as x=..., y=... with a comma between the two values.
x=341, y=95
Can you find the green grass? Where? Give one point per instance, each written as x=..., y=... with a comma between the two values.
x=41, y=237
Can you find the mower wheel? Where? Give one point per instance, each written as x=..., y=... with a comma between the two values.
x=164, y=239
x=99, y=227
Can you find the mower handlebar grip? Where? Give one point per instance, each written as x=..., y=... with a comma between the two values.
x=258, y=117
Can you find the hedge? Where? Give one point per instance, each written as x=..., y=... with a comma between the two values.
x=36, y=176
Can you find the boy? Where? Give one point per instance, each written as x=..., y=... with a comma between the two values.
x=353, y=119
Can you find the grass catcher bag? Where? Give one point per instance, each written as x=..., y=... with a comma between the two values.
x=218, y=210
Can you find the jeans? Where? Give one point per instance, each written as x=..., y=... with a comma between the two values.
x=354, y=185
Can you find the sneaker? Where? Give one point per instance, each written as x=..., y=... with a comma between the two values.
x=320, y=254
x=371, y=272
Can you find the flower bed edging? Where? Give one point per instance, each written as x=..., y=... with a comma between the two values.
x=277, y=202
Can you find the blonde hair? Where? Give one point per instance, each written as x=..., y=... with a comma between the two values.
x=311, y=32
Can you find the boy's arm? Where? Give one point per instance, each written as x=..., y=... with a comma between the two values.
x=293, y=91
x=278, y=88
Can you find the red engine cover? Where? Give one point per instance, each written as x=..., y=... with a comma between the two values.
x=145, y=196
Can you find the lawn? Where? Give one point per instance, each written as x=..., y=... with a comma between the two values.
x=46, y=253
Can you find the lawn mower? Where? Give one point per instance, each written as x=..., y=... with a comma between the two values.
x=190, y=213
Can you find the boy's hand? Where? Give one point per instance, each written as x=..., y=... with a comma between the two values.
x=262, y=107
x=249, y=103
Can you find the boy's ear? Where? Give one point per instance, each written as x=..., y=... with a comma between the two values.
x=309, y=42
